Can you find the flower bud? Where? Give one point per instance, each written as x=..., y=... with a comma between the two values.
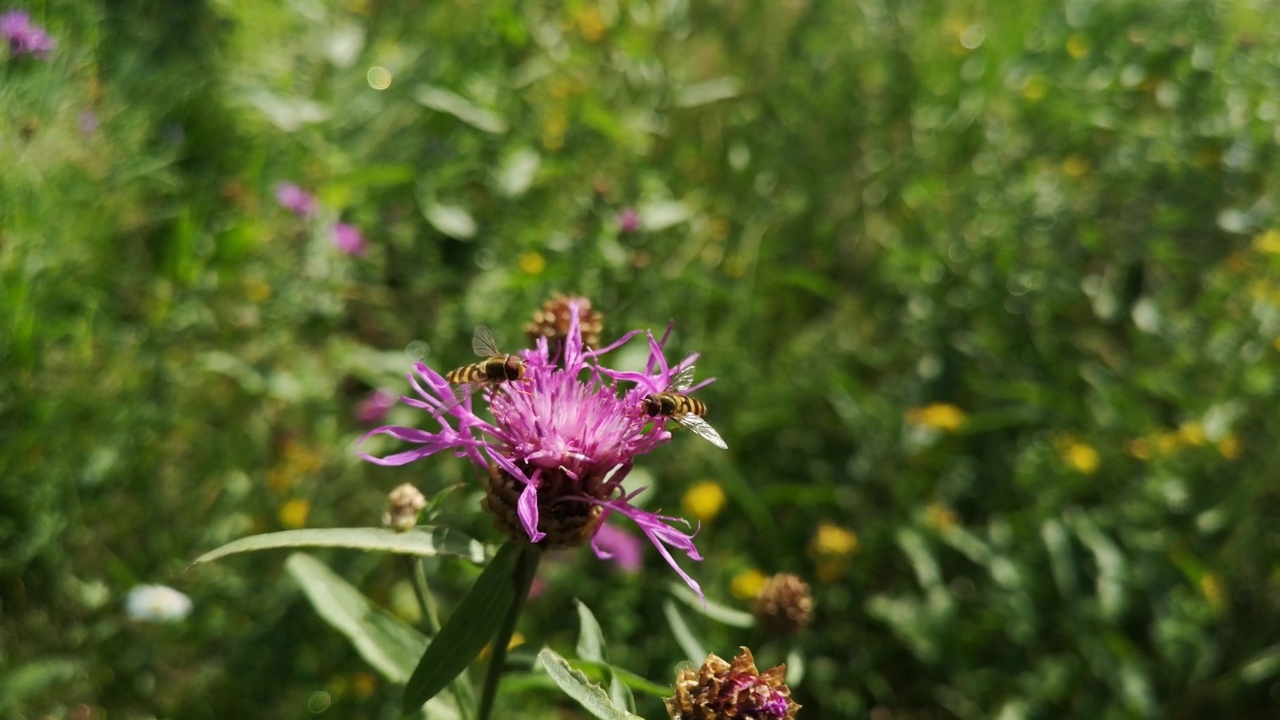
x=784, y=605
x=740, y=691
x=403, y=505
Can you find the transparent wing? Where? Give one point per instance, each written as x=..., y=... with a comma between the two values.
x=702, y=429
x=682, y=380
x=460, y=394
x=482, y=343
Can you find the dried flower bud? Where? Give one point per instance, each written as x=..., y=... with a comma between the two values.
x=784, y=605
x=403, y=505
x=740, y=691
x=552, y=321
x=567, y=524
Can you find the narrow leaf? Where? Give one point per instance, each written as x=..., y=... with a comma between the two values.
x=467, y=631
x=450, y=220
x=714, y=610
x=590, y=637
x=691, y=645
x=795, y=667
x=628, y=678
x=703, y=93
x=591, y=697
x=426, y=541
x=437, y=98
x=382, y=639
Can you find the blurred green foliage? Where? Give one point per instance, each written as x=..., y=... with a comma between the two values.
x=995, y=287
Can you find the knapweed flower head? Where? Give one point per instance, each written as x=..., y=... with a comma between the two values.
x=156, y=603
x=296, y=200
x=348, y=239
x=740, y=691
x=561, y=442
x=629, y=221
x=24, y=38
x=784, y=605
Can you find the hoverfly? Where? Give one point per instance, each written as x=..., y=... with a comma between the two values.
x=687, y=411
x=496, y=368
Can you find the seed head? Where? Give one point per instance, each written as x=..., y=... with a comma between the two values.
x=739, y=691
x=784, y=605
x=403, y=505
x=552, y=320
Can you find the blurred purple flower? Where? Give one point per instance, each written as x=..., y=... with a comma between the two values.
x=629, y=220
x=88, y=122
x=348, y=239
x=564, y=437
x=24, y=38
x=375, y=406
x=296, y=200
x=611, y=543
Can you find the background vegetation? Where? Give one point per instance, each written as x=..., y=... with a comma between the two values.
x=993, y=287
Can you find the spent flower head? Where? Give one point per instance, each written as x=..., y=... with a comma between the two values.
x=24, y=38
x=721, y=690
x=403, y=505
x=561, y=442
x=784, y=605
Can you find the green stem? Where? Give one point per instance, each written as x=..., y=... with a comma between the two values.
x=426, y=601
x=526, y=568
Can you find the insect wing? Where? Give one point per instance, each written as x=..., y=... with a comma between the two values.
x=702, y=429
x=482, y=343
x=460, y=394
x=682, y=380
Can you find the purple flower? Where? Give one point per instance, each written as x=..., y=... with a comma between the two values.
x=296, y=200
x=375, y=406
x=562, y=440
x=623, y=548
x=24, y=38
x=629, y=220
x=348, y=239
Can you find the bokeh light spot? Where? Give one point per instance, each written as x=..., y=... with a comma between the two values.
x=379, y=77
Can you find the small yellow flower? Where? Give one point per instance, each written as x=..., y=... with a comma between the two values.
x=517, y=639
x=257, y=291
x=1168, y=443
x=1075, y=166
x=1191, y=434
x=940, y=517
x=704, y=500
x=747, y=584
x=1080, y=456
x=1211, y=588
x=1229, y=446
x=1140, y=448
x=532, y=263
x=831, y=540
x=293, y=514
x=1035, y=88
x=1268, y=242
x=591, y=24
x=938, y=416
x=1077, y=46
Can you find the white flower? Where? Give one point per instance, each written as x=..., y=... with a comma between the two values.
x=157, y=603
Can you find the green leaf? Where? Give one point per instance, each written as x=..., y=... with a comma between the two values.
x=33, y=677
x=426, y=541
x=628, y=678
x=703, y=93
x=691, y=645
x=591, y=697
x=517, y=172
x=795, y=667
x=467, y=631
x=590, y=637
x=714, y=610
x=437, y=98
x=451, y=220
x=382, y=639
x=662, y=214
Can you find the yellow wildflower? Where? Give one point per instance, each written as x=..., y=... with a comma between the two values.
x=1211, y=588
x=1035, y=88
x=1075, y=166
x=532, y=263
x=1191, y=434
x=747, y=584
x=1077, y=46
x=1229, y=446
x=591, y=24
x=1080, y=456
x=293, y=514
x=517, y=639
x=1268, y=242
x=704, y=500
x=1168, y=443
x=938, y=416
x=940, y=517
x=831, y=540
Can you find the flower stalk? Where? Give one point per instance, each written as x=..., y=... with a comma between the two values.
x=526, y=569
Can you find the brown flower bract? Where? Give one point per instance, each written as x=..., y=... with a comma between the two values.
x=721, y=690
